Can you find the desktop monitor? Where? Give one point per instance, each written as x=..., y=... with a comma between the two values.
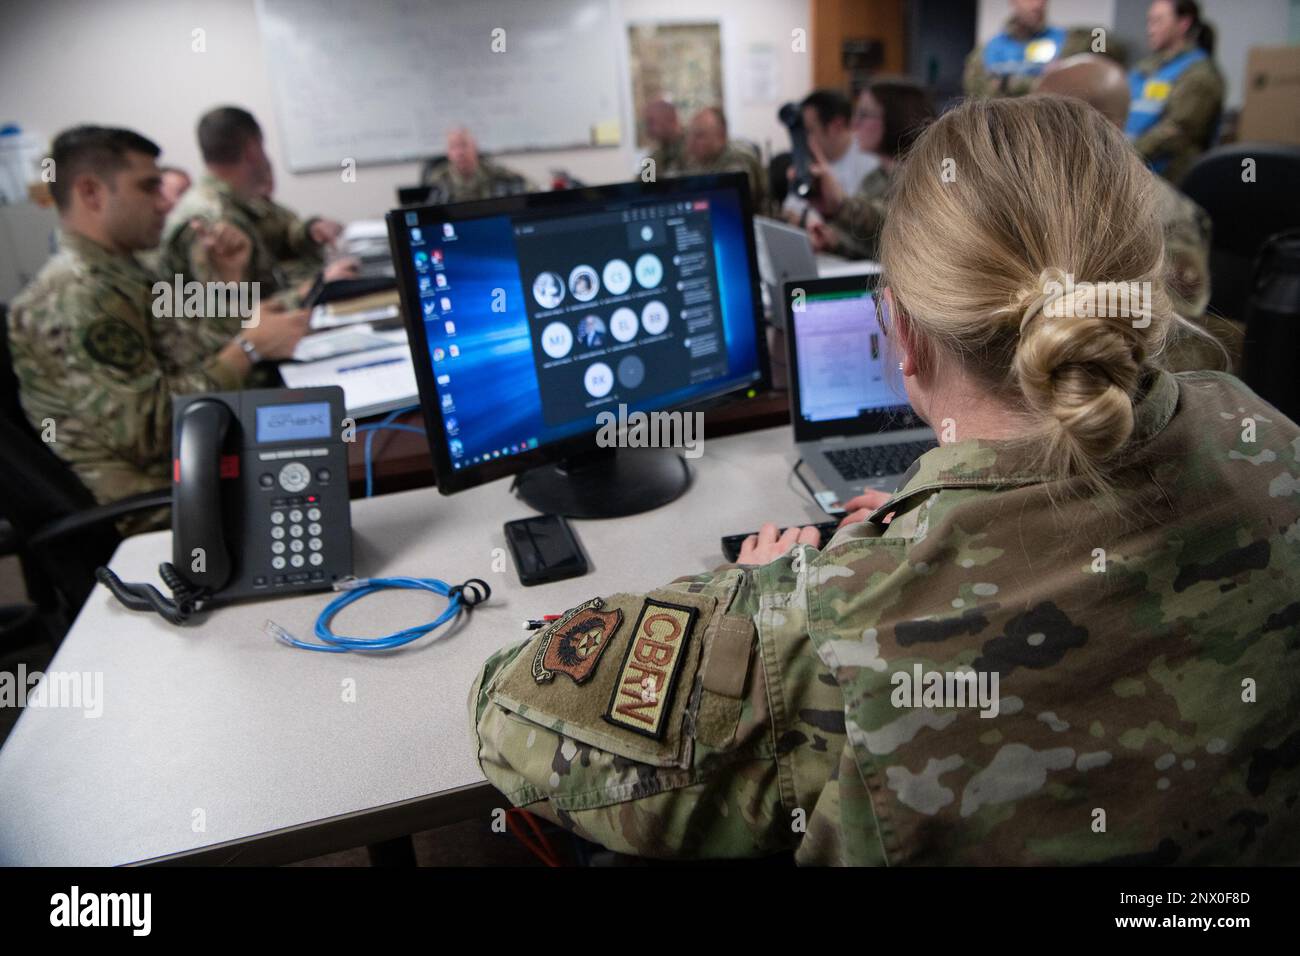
x=531, y=315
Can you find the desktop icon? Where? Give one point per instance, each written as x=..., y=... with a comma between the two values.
x=444, y=379
x=448, y=230
x=453, y=351
x=450, y=326
x=439, y=355
x=446, y=304
x=532, y=443
x=447, y=402
x=417, y=236
x=421, y=260
x=453, y=426
x=457, y=449
x=430, y=307
x=436, y=256
x=426, y=284
x=440, y=279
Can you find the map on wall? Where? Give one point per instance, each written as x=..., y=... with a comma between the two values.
x=678, y=62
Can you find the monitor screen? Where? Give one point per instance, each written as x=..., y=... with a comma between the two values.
x=538, y=317
x=844, y=374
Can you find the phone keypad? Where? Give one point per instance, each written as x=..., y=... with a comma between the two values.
x=296, y=541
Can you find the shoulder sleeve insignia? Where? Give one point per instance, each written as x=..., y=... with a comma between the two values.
x=114, y=343
x=643, y=692
x=573, y=644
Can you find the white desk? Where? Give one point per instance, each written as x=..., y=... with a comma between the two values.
x=221, y=718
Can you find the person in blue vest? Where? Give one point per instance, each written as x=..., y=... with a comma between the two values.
x=1177, y=91
x=1008, y=64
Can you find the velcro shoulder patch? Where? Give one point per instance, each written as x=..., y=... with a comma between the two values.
x=573, y=644
x=643, y=689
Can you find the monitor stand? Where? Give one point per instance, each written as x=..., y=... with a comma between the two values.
x=606, y=482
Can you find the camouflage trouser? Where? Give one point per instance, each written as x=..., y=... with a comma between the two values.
x=752, y=730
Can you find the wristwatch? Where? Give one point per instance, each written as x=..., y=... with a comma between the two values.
x=248, y=348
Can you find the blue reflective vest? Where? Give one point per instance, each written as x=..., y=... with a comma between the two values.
x=1006, y=55
x=1150, y=96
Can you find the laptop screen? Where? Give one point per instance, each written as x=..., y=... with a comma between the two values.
x=846, y=381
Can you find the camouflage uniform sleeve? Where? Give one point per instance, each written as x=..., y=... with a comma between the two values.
x=185, y=255
x=1188, y=121
x=123, y=382
x=976, y=80
x=693, y=721
x=856, y=226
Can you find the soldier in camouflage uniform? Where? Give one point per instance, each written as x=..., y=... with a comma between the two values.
x=286, y=251
x=1070, y=636
x=1177, y=91
x=465, y=175
x=1101, y=83
x=664, y=129
x=92, y=355
x=1009, y=63
x=709, y=151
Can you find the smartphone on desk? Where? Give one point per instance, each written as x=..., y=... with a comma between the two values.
x=544, y=549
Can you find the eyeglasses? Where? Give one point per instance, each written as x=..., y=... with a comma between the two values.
x=882, y=310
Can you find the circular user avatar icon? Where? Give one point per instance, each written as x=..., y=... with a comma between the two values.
x=548, y=290
x=591, y=332
x=631, y=371
x=649, y=270
x=557, y=340
x=618, y=276
x=647, y=233
x=623, y=324
x=598, y=379
x=583, y=283
x=654, y=317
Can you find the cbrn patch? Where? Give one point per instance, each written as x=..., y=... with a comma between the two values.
x=573, y=644
x=643, y=692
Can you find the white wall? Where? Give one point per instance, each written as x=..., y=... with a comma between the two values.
x=130, y=63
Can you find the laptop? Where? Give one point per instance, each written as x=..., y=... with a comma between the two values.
x=784, y=254
x=853, y=424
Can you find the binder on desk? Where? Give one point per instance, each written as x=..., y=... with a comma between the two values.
x=375, y=381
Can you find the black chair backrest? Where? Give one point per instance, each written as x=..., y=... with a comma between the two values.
x=37, y=487
x=1251, y=191
x=778, y=184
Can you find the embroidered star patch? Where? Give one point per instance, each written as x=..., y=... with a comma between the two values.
x=573, y=644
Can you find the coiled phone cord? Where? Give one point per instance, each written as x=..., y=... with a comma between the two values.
x=177, y=609
x=461, y=597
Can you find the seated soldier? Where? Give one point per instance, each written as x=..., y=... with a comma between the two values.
x=890, y=114
x=709, y=151
x=286, y=251
x=466, y=175
x=1071, y=636
x=97, y=363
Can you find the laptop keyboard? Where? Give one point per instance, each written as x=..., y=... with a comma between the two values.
x=876, y=461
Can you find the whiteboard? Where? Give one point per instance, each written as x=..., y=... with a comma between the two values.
x=381, y=81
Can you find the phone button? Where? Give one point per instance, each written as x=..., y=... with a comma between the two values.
x=313, y=514
x=278, y=563
x=316, y=559
x=322, y=475
x=297, y=561
x=277, y=533
x=315, y=544
x=295, y=545
x=294, y=476
x=277, y=547
x=266, y=480
x=295, y=515
x=277, y=517
x=313, y=529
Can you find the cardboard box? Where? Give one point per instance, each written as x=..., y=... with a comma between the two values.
x=1271, y=111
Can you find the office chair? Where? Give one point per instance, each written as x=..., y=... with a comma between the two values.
x=1244, y=213
x=51, y=521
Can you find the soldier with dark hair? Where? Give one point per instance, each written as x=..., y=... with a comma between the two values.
x=286, y=251
x=97, y=365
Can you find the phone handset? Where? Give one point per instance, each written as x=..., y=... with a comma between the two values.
x=199, y=550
